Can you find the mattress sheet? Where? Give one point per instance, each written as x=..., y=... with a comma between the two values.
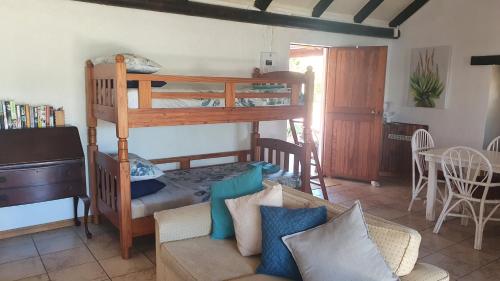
x=192, y=186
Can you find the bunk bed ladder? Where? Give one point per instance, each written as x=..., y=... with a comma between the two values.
x=318, y=178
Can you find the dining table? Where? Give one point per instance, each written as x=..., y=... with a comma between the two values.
x=434, y=157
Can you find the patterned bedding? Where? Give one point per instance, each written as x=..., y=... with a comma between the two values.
x=186, y=187
x=133, y=100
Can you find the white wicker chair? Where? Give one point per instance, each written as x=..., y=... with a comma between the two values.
x=468, y=179
x=420, y=141
x=494, y=145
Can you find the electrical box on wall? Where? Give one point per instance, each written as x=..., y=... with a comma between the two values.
x=267, y=61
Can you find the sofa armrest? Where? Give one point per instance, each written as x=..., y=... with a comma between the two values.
x=183, y=223
x=426, y=272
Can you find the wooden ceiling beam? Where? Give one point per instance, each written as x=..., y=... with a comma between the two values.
x=321, y=7
x=262, y=4
x=199, y=9
x=407, y=12
x=367, y=10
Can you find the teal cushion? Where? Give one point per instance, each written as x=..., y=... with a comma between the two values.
x=267, y=168
x=244, y=184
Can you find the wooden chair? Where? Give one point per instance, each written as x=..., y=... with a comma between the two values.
x=468, y=176
x=420, y=141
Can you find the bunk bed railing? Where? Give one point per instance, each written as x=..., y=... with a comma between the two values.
x=146, y=93
x=107, y=175
x=185, y=161
x=281, y=153
x=107, y=98
x=102, y=93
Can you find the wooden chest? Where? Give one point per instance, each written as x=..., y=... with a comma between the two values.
x=38, y=165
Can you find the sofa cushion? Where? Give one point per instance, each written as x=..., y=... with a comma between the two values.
x=398, y=244
x=340, y=248
x=206, y=259
x=245, y=212
x=260, y=277
x=244, y=184
x=276, y=223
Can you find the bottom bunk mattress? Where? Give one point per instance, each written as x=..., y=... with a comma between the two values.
x=192, y=186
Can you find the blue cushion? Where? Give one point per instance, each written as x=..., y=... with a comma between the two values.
x=244, y=184
x=267, y=168
x=143, y=188
x=278, y=222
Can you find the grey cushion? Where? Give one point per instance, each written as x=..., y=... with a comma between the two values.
x=339, y=250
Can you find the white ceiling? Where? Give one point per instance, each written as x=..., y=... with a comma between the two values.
x=341, y=10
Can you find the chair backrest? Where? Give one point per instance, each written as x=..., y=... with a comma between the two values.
x=421, y=141
x=466, y=170
x=494, y=145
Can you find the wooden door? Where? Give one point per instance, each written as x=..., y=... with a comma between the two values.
x=354, y=101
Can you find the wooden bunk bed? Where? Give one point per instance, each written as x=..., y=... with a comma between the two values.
x=107, y=99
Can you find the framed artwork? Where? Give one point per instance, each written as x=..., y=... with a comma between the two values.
x=429, y=71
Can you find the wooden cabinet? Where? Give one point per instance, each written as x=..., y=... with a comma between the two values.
x=396, y=149
x=38, y=165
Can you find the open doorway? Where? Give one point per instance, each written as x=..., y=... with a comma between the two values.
x=300, y=57
x=347, y=107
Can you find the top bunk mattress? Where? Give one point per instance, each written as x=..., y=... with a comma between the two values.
x=133, y=98
x=192, y=186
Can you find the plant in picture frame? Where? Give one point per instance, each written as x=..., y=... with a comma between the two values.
x=425, y=84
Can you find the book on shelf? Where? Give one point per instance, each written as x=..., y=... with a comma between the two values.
x=16, y=116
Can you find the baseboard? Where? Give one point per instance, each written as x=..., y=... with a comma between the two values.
x=39, y=228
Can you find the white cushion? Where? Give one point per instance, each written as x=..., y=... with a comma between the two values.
x=245, y=212
x=134, y=63
x=341, y=249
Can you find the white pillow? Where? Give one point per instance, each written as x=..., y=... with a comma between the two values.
x=134, y=63
x=141, y=169
x=245, y=212
x=340, y=249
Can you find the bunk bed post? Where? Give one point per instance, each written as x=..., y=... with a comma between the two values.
x=255, y=150
x=91, y=138
x=308, y=138
x=124, y=200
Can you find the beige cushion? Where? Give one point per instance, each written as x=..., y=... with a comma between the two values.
x=427, y=272
x=399, y=247
x=183, y=223
x=245, y=212
x=205, y=259
x=398, y=244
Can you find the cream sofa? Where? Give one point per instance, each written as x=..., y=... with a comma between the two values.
x=184, y=250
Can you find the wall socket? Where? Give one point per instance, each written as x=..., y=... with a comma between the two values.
x=267, y=61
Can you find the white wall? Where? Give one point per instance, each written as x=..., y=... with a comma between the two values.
x=471, y=28
x=44, y=45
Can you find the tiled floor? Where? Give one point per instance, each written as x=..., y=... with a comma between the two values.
x=66, y=254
